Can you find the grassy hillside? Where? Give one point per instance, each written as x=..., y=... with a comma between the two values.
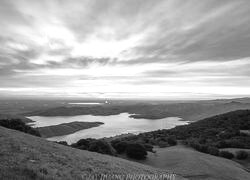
x=26, y=157
x=195, y=165
x=66, y=128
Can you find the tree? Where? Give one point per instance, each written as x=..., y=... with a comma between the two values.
x=136, y=151
x=102, y=147
x=83, y=144
x=120, y=146
x=172, y=141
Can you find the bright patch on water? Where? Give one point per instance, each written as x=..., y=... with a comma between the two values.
x=86, y=103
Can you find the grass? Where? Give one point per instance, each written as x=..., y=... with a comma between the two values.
x=28, y=157
x=195, y=165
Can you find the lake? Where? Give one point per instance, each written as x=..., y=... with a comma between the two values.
x=113, y=125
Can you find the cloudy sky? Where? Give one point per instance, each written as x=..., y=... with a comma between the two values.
x=167, y=49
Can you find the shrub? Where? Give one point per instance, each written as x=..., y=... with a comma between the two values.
x=172, y=141
x=136, y=151
x=149, y=147
x=152, y=141
x=222, y=144
x=226, y=154
x=163, y=144
x=82, y=144
x=120, y=146
x=102, y=147
x=241, y=155
x=236, y=143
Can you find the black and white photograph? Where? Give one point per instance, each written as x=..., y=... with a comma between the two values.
x=124, y=89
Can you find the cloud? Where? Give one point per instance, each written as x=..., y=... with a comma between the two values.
x=199, y=47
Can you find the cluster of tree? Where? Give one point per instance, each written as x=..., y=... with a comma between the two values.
x=19, y=125
x=95, y=145
x=152, y=139
x=241, y=155
x=132, y=150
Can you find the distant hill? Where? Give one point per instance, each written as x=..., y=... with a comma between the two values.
x=66, y=128
x=188, y=111
x=26, y=157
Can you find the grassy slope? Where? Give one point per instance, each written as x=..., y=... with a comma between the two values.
x=195, y=165
x=25, y=157
x=66, y=128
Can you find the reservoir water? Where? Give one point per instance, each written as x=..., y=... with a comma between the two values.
x=113, y=125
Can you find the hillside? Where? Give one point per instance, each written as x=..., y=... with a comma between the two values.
x=26, y=157
x=195, y=165
x=66, y=128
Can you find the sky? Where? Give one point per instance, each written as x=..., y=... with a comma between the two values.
x=132, y=49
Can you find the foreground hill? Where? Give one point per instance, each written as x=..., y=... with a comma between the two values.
x=26, y=157
x=195, y=165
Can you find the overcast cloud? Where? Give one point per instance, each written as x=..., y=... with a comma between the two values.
x=125, y=48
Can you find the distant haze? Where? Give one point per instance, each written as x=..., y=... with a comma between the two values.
x=143, y=49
